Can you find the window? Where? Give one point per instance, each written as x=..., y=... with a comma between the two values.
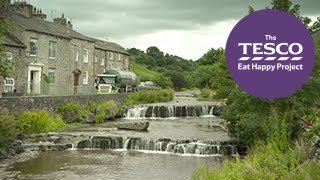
x=85, y=77
x=86, y=55
x=77, y=56
x=52, y=49
x=9, y=85
x=8, y=57
x=52, y=75
x=95, y=59
x=119, y=57
x=33, y=47
x=110, y=55
x=102, y=62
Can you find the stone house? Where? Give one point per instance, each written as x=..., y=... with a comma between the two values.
x=57, y=60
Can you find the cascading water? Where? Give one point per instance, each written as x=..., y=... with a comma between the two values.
x=158, y=145
x=141, y=112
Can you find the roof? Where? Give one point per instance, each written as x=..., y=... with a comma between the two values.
x=42, y=26
x=10, y=40
x=110, y=46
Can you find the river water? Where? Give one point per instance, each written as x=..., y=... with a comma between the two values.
x=121, y=164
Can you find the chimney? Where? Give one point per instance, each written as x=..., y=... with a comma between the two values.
x=38, y=13
x=22, y=7
x=69, y=25
x=62, y=20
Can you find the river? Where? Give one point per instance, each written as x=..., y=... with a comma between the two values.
x=173, y=148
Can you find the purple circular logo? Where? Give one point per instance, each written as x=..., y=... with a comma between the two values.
x=270, y=54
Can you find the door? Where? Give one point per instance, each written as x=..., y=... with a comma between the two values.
x=75, y=82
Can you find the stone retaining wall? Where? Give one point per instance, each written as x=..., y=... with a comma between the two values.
x=50, y=103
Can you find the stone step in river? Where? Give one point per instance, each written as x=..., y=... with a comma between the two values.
x=191, y=147
x=160, y=111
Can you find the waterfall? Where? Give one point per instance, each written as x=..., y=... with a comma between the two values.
x=126, y=142
x=137, y=112
x=144, y=111
x=158, y=145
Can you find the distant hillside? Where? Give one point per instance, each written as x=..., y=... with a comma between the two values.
x=143, y=73
x=154, y=65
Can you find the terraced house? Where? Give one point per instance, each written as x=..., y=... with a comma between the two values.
x=52, y=58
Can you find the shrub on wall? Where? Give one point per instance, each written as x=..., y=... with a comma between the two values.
x=8, y=127
x=39, y=122
x=72, y=112
x=143, y=97
x=104, y=110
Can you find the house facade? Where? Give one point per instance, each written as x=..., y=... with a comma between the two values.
x=55, y=59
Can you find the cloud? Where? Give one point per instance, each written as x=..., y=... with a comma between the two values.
x=163, y=21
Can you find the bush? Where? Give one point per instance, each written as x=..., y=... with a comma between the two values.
x=162, y=81
x=278, y=159
x=104, y=110
x=144, y=97
x=207, y=93
x=72, y=112
x=39, y=122
x=8, y=127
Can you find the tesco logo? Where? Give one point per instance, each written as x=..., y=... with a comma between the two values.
x=271, y=49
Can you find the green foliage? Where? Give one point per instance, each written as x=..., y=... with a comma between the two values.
x=8, y=127
x=104, y=110
x=143, y=73
x=208, y=93
x=39, y=122
x=74, y=111
x=172, y=67
x=144, y=97
x=210, y=57
x=278, y=159
x=163, y=82
x=6, y=67
x=294, y=9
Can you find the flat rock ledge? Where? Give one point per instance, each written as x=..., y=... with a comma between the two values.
x=134, y=126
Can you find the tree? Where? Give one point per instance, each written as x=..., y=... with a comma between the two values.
x=294, y=9
x=6, y=67
x=250, y=119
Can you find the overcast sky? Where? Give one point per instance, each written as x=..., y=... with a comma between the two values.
x=187, y=28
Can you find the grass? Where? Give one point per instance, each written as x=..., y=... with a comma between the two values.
x=143, y=72
x=144, y=97
x=39, y=122
x=276, y=159
x=104, y=110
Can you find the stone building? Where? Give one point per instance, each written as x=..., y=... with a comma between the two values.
x=54, y=58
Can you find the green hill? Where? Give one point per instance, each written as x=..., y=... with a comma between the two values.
x=143, y=73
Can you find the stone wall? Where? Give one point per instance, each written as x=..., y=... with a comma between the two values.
x=51, y=103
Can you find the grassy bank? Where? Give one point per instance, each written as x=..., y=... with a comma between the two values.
x=145, y=97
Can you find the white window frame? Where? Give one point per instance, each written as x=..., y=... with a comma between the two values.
x=35, y=41
x=9, y=57
x=77, y=56
x=95, y=59
x=52, y=48
x=85, y=55
x=118, y=56
x=10, y=85
x=52, y=70
x=110, y=55
x=102, y=61
x=85, y=77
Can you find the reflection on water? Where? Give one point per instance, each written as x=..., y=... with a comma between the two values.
x=98, y=164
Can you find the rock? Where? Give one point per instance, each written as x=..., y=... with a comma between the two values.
x=90, y=118
x=70, y=117
x=136, y=126
x=17, y=147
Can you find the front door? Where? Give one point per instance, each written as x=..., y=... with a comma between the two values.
x=34, y=79
x=75, y=83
